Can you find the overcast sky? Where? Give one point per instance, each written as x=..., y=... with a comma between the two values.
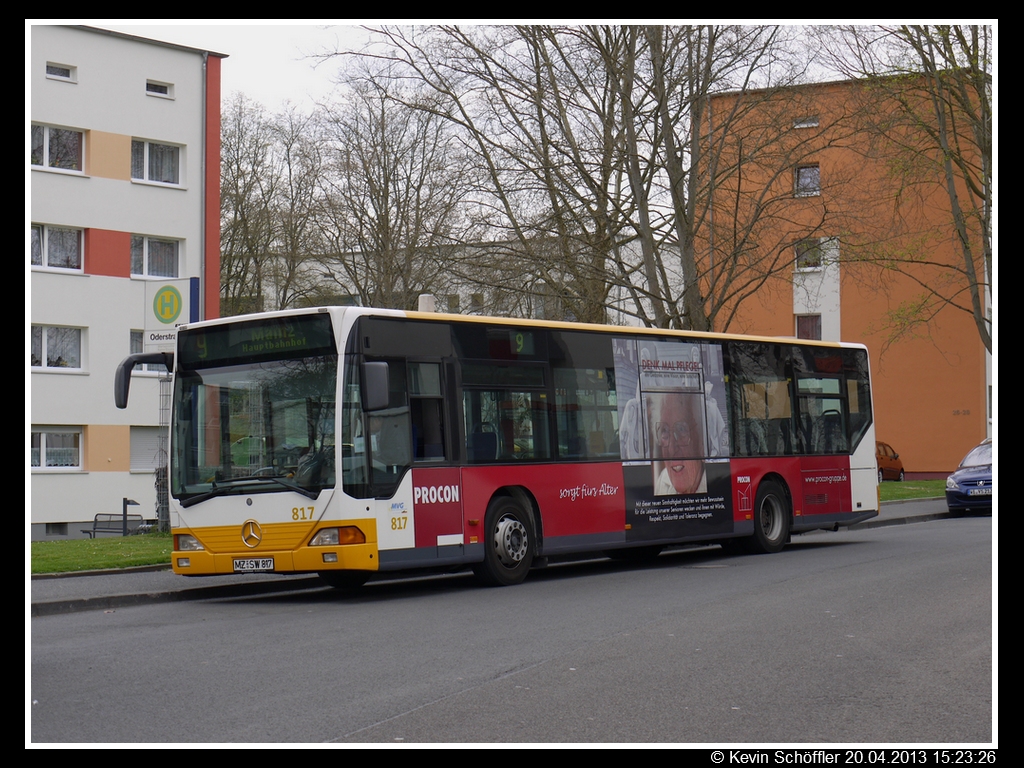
x=265, y=58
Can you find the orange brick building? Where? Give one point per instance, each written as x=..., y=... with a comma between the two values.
x=861, y=233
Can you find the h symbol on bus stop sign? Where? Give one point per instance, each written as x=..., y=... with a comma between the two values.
x=167, y=304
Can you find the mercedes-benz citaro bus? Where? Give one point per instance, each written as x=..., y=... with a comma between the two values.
x=348, y=441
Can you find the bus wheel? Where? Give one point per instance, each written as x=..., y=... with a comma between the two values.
x=771, y=524
x=509, y=544
x=344, y=579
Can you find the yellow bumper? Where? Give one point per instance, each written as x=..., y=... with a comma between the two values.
x=285, y=543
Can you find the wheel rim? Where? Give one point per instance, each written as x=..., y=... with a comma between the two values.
x=510, y=541
x=771, y=518
x=879, y=475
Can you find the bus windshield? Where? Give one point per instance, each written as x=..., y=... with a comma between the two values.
x=254, y=426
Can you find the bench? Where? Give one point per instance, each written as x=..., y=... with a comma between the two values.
x=106, y=522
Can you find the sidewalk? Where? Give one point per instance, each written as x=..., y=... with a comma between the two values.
x=106, y=590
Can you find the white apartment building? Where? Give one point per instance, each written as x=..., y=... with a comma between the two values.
x=124, y=244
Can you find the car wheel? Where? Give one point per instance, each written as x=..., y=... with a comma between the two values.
x=880, y=477
x=902, y=476
x=509, y=544
x=771, y=520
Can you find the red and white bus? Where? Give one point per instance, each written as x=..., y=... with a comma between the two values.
x=346, y=441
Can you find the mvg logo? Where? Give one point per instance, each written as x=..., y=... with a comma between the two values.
x=435, y=494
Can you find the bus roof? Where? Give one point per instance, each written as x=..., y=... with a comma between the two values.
x=522, y=322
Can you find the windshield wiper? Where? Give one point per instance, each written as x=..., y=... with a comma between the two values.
x=228, y=486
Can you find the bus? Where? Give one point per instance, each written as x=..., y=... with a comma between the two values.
x=348, y=441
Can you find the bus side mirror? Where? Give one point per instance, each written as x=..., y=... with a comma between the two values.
x=375, y=386
x=123, y=374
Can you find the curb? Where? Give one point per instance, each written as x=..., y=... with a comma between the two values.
x=878, y=523
x=104, y=571
x=113, y=602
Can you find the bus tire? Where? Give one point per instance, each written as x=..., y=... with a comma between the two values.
x=510, y=544
x=771, y=520
x=344, y=579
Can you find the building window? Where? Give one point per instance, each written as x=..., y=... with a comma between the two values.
x=64, y=72
x=806, y=122
x=808, y=327
x=453, y=303
x=155, y=162
x=153, y=257
x=56, y=247
x=476, y=303
x=59, y=148
x=56, y=529
x=808, y=180
x=56, y=447
x=163, y=90
x=809, y=255
x=55, y=347
x=136, y=346
x=148, y=451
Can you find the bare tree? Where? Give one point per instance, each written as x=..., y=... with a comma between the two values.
x=271, y=169
x=392, y=208
x=248, y=187
x=602, y=161
x=532, y=109
x=716, y=219
x=937, y=141
x=299, y=149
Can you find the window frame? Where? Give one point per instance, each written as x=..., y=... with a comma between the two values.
x=44, y=342
x=166, y=93
x=807, y=190
x=146, y=443
x=41, y=455
x=44, y=249
x=147, y=176
x=72, y=76
x=815, y=320
x=805, y=247
x=146, y=261
x=45, y=163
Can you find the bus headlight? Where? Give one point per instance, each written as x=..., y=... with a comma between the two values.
x=184, y=542
x=332, y=537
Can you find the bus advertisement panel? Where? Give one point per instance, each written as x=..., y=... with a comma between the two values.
x=674, y=438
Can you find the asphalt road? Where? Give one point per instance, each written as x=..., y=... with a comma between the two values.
x=876, y=635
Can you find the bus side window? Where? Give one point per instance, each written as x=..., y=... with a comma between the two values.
x=483, y=445
x=427, y=429
x=426, y=409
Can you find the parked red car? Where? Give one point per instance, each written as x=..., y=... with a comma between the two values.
x=889, y=465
